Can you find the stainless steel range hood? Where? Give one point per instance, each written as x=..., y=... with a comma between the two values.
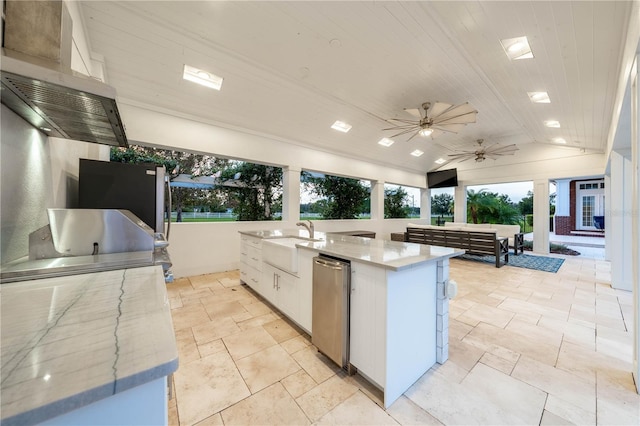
x=38, y=84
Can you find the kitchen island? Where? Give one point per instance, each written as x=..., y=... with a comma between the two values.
x=399, y=306
x=94, y=348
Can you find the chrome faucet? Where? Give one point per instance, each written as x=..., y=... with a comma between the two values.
x=309, y=227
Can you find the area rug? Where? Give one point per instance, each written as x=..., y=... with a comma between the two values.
x=539, y=263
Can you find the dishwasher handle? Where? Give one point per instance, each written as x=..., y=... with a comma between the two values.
x=327, y=263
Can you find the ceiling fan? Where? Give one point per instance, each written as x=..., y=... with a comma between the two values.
x=435, y=119
x=481, y=153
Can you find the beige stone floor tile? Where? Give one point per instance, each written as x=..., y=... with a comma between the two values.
x=187, y=348
x=206, y=386
x=257, y=321
x=497, y=363
x=614, y=343
x=213, y=330
x=572, y=413
x=192, y=293
x=357, y=410
x=532, y=331
x=175, y=302
x=212, y=347
x=572, y=332
x=173, y=416
x=520, y=306
x=318, y=366
x=248, y=342
x=550, y=419
x=463, y=354
x=563, y=384
x=519, y=343
x=458, y=330
x=295, y=344
x=406, y=412
x=282, y=330
x=450, y=370
x=298, y=383
x=242, y=317
x=617, y=406
x=270, y=406
x=507, y=393
x=215, y=420
x=488, y=314
x=325, y=397
x=206, y=281
x=257, y=308
x=228, y=309
x=189, y=316
x=266, y=367
x=453, y=403
x=230, y=282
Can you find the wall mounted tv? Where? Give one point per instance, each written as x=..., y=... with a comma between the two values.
x=442, y=178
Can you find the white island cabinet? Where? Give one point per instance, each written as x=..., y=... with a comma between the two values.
x=398, y=305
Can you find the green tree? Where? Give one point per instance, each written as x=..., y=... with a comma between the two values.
x=526, y=204
x=481, y=203
x=258, y=190
x=442, y=204
x=395, y=203
x=346, y=197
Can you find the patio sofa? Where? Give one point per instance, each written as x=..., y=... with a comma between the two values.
x=512, y=232
x=472, y=240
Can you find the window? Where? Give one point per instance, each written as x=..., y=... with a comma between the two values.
x=401, y=201
x=333, y=197
x=205, y=188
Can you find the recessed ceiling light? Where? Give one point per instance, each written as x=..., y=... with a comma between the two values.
x=417, y=153
x=552, y=123
x=386, y=142
x=341, y=126
x=517, y=48
x=202, y=77
x=440, y=161
x=539, y=97
x=559, y=140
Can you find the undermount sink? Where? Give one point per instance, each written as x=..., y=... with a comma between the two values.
x=282, y=252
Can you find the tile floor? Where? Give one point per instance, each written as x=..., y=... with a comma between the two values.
x=525, y=347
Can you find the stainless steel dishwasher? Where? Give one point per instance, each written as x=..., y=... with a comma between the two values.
x=330, y=317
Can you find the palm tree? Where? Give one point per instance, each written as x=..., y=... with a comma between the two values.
x=479, y=200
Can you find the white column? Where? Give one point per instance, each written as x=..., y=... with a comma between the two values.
x=425, y=204
x=377, y=200
x=291, y=194
x=541, y=216
x=635, y=207
x=460, y=204
x=608, y=240
x=563, y=197
x=618, y=222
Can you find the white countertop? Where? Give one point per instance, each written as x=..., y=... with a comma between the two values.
x=393, y=255
x=70, y=341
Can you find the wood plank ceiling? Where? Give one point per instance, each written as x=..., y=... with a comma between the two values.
x=292, y=68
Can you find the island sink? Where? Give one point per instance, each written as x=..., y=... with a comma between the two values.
x=282, y=252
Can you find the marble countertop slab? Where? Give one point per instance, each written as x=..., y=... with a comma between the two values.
x=392, y=255
x=70, y=341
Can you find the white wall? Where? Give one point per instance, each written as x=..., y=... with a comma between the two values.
x=37, y=173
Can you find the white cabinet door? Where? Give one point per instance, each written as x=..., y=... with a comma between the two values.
x=368, y=321
x=251, y=261
x=288, y=300
x=268, y=288
x=305, y=287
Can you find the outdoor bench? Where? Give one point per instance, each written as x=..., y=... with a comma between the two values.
x=473, y=241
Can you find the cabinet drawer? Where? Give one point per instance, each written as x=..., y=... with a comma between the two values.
x=250, y=276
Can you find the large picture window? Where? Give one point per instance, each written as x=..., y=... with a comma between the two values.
x=333, y=197
x=401, y=201
x=205, y=188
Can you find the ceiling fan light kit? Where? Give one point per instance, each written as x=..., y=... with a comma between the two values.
x=436, y=119
x=482, y=153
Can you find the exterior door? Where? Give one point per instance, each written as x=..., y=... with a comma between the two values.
x=590, y=203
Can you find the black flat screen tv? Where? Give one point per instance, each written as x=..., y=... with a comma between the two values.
x=442, y=178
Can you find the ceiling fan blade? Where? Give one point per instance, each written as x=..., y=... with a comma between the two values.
x=436, y=132
x=451, y=128
x=402, y=120
x=463, y=113
x=404, y=132
x=415, y=112
x=403, y=126
x=414, y=135
x=502, y=150
x=439, y=108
